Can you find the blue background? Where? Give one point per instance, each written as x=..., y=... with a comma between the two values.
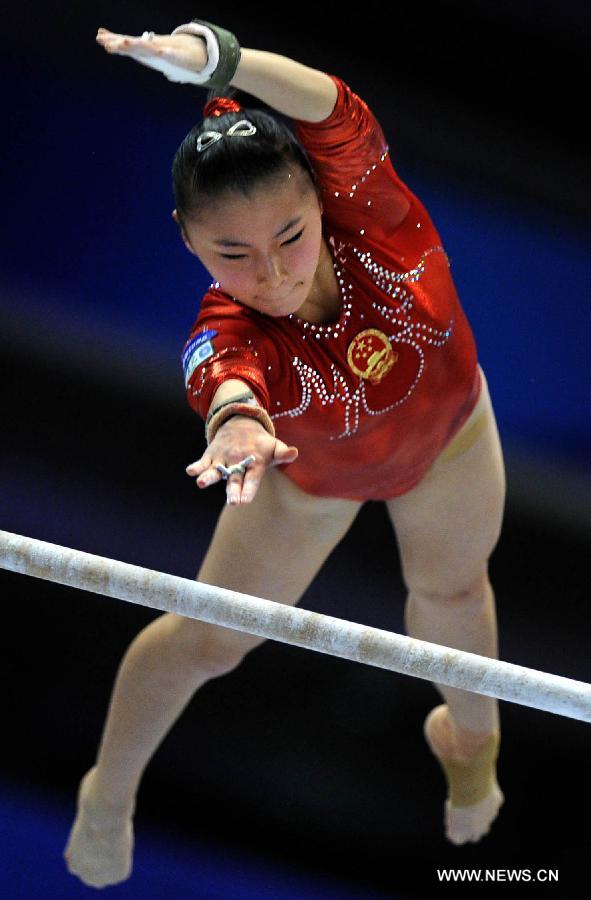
x=299, y=774
x=87, y=203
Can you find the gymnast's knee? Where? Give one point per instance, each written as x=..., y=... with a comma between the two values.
x=211, y=649
x=466, y=593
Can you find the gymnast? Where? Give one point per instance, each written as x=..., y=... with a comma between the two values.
x=333, y=364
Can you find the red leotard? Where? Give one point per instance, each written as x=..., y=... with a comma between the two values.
x=371, y=400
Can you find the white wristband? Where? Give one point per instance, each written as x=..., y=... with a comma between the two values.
x=213, y=52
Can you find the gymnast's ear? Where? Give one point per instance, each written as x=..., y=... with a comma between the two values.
x=175, y=216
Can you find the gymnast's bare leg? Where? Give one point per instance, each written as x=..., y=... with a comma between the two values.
x=447, y=528
x=252, y=551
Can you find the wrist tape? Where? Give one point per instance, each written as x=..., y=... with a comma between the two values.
x=239, y=398
x=223, y=55
x=238, y=409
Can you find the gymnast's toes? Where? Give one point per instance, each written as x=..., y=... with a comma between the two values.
x=100, y=845
x=99, y=858
x=465, y=824
x=469, y=764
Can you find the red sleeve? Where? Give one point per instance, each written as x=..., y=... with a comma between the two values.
x=225, y=342
x=349, y=154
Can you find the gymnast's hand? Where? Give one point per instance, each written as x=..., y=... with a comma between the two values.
x=235, y=440
x=177, y=56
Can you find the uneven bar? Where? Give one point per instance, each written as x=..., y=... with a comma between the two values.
x=300, y=627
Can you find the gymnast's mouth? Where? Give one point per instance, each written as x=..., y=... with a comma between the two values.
x=281, y=299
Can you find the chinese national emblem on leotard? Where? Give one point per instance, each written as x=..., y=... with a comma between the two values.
x=370, y=355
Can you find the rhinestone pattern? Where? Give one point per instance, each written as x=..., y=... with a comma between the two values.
x=407, y=331
x=363, y=178
x=385, y=279
x=400, y=323
x=198, y=386
x=328, y=331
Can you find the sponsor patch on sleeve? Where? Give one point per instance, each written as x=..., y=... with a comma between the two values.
x=196, y=352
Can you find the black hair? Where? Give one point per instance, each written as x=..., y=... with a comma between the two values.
x=236, y=165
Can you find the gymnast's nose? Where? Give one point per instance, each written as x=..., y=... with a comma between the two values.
x=271, y=272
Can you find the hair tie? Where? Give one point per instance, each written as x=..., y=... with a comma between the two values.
x=220, y=105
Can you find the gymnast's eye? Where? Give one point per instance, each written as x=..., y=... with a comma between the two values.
x=291, y=240
x=295, y=238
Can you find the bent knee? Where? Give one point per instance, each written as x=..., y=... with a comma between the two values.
x=459, y=592
x=211, y=648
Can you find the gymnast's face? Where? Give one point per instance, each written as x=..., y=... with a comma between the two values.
x=263, y=249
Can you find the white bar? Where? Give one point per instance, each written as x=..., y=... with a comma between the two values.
x=300, y=627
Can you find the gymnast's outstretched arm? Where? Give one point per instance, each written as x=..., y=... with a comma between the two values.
x=288, y=86
x=237, y=439
x=295, y=90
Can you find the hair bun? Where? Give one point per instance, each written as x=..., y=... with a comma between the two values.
x=220, y=105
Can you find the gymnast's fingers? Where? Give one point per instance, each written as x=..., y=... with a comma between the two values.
x=204, y=470
x=128, y=45
x=234, y=488
x=211, y=476
x=113, y=42
x=251, y=481
x=200, y=465
x=282, y=454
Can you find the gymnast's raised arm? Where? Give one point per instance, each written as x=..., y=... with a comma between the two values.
x=297, y=91
x=282, y=83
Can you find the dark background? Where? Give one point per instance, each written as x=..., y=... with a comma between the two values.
x=314, y=760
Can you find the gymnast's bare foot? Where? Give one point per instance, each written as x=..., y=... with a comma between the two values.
x=100, y=846
x=468, y=761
